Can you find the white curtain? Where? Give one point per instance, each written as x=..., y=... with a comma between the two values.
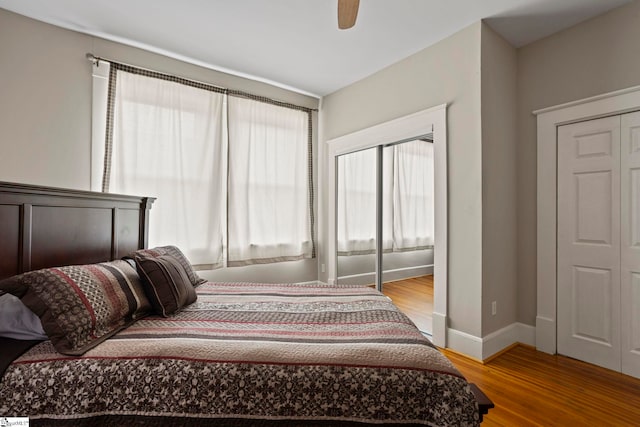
x=407, y=199
x=268, y=183
x=168, y=143
x=413, y=226
x=356, y=204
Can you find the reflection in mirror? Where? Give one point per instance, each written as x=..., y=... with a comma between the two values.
x=406, y=201
x=408, y=228
x=356, y=217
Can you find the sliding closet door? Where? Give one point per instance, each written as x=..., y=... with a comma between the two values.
x=589, y=241
x=630, y=249
x=356, y=209
x=385, y=216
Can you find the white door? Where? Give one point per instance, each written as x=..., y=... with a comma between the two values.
x=630, y=244
x=589, y=241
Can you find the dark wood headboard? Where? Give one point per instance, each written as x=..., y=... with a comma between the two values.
x=49, y=227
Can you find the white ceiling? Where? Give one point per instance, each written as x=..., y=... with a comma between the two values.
x=296, y=43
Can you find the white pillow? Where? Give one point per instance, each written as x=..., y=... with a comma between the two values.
x=17, y=321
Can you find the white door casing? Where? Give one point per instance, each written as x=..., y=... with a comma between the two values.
x=432, y=120
x=598, y=268
x=630, y=243
x=548, y=120
x=589, y=241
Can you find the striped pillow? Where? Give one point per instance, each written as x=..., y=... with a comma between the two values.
x=82, y=305
x=166, y=283
x=175, y=253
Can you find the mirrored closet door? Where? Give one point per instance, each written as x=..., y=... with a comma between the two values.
x=385, y=223
x=356, y=208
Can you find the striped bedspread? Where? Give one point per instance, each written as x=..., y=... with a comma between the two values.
x=249, y=354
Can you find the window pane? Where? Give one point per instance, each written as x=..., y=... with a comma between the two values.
x=268, y=185
x=167, y=143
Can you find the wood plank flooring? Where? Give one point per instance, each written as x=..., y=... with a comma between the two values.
x=531, y=388
x=528, y=387
x=415, y=298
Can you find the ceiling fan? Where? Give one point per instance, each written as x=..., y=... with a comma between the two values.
x=347, y=13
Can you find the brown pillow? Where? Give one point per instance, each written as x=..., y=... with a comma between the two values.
x=81, y=305
x=166, y=283
x=176, y=253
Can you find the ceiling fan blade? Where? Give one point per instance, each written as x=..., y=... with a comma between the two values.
x=347, y=13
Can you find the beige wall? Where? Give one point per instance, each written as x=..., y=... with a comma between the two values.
x=45, y=104
x=45, y=112
x=597, y=56
x=499, y=216
x=447, y=72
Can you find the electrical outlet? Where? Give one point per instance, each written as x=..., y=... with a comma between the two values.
x=494, y=308
x=322, y=268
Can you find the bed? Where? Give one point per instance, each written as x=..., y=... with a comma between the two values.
x=234, y=354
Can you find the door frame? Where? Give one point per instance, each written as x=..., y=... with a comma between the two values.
x=404, y=128
x=548, y=119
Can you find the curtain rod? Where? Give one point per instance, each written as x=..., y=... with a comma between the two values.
x=95, y=60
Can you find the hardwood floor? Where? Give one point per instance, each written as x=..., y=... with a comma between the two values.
x=531, y=388
x=528, y=387
x=415, y=298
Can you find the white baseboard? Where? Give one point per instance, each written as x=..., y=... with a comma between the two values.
x=497, y=341
x=387, y=275
x=464, y=343
x=546, y=334
x=439, y=329
x=313, y=282
x=483, y=348
x=527, y=334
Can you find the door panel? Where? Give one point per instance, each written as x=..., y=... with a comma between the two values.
x=356, y=217
x=630, y=242
x=591, y=307
x=593, y=211
x=589, y=241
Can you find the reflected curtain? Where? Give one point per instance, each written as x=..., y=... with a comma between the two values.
x=356, y=204
x=413, y=225
x=407, y=199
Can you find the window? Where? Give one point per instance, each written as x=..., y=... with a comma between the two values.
x=268, y=186
x=231, y=175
